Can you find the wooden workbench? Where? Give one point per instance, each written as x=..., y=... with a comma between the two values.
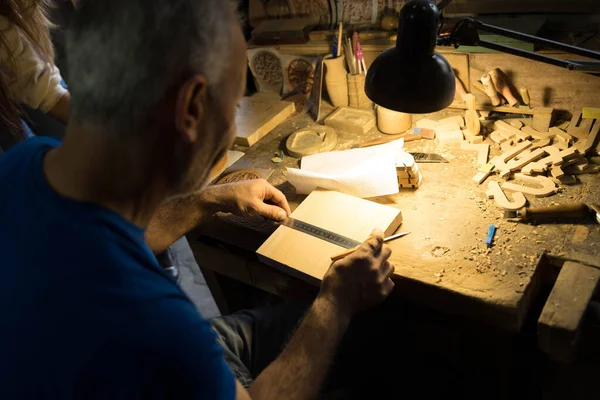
x=444, y=263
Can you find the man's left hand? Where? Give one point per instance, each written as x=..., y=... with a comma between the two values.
x=249, y=198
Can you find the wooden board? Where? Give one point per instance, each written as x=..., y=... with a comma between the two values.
x=308, y=257
x=561, y=319
x=258, y=115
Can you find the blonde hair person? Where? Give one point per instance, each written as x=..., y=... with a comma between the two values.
x=27, y=71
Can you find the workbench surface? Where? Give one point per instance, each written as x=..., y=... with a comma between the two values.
x=444, y=262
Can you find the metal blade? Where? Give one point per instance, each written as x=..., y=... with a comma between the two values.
x=428, y=158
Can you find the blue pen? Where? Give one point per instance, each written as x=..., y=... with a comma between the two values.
x=334, y=48
x=490, y=236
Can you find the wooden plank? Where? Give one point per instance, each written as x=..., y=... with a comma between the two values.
x=308, y=257
x=561, y=319
x=258, y=115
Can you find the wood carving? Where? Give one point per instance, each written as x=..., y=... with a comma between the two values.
x=537, y=134
x=501, y=83
x=267, y=67
x=301, y=75
x=490, y=89
x=495, y=192
x=511, y=130
x=547, y=188
x=562, y=135
x=483, y=151
x=501, y=160
x=471, y=118
x=577, y=129
x=554, y=154
x=540, y=143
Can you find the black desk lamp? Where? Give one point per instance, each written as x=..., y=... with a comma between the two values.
x=413, y=78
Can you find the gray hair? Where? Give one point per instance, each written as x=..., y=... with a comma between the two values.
x=124, y=55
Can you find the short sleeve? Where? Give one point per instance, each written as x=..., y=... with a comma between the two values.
x=198, y=366
x=35, y=83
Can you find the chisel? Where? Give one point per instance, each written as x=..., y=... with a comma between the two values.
x=544, y=214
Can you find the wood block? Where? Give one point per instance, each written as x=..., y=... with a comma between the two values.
x=566, y=180
x=592, y=169
x=458, y=119
x=506, y=146
x=560, y=144
x=258, y=115
x=516, y=165
x=483, y=151
x=450, y=136
x=472, y=139
x=560, y=322
x=447, y=127
x=497, y=137
x=411, y=183
x=495, y=192
x=542, y=117
x=537, y=134
x=427, y=123
x=483, y=172
x=522, y=155
x=540, y=143
x=515, y=123
x=352, y=120
x=511, y=130
x=547, y=188
x=564, y=155
x=512, y=152
x=577, y=129
x=556, y=171
x=308, y=257
x=542, y=165
x=584, y=146
x=562, y=135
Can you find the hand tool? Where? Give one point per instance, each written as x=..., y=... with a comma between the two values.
x=428, y=158
x=490, y=235
x=545, y=214
x=352, y=250
x=320, y=233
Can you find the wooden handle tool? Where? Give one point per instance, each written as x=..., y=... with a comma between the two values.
x=490, y=89
x=352, y=250
x=544, y=214
x=460, y=89
x=502, y=86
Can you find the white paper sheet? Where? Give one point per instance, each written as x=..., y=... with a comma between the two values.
x=367, y=172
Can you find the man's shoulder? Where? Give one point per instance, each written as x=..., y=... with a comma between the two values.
x=19, y=153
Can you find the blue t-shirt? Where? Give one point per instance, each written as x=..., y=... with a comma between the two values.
x=86, y=311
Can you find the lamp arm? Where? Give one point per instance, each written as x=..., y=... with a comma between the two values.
x=466, y=33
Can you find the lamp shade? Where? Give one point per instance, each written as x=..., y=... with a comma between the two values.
x=412, y=77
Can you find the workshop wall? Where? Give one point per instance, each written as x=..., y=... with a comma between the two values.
x=363, y=11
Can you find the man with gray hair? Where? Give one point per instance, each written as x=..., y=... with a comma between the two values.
x=154, y=87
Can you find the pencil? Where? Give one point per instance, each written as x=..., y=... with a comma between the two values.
x=339, y=43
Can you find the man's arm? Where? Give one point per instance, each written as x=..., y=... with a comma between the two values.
x=60, y=110
x=179, y=215
x=350, y=286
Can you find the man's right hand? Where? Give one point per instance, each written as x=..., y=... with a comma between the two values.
x=362, y=279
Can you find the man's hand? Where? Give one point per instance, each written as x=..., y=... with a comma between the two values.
x=362, y=279
x=248, y=198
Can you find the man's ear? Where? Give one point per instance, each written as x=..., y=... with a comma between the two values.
x=190, y=107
